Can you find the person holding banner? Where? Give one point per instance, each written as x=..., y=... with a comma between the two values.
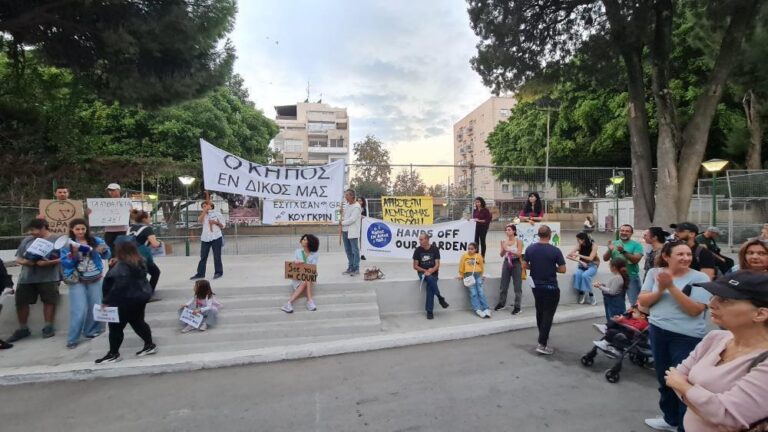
x=350, y=232
x=511, y=268
x=40, y=276
x=482, y=217
x=533, y=211
x=112, y=232
x=426, y=262
x=82, y=264
x=61, y=193
x=306, y=254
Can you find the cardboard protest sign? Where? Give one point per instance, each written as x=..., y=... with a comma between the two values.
x=59, y=214
x=277, y=212
x=301, y=271
x=225, y=172
x=189, y=318
x=529, y=234
x=408, y=210
x=109, y=211
x=107, y=314
x=386, y=239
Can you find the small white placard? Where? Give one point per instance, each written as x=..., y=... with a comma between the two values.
x=107, y=314
x=40, y=247
x=187, y=317
x=109, y=211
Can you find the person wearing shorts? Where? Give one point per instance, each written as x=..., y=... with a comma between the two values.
x=39, y=278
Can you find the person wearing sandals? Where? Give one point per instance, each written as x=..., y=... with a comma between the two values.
x=585, y=254
x=127, y=288
x=306, y=254
x=511, y=269
x=203, y=302
x=723, y=381
x=83, y=270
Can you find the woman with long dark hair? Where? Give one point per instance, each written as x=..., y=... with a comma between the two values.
x=306, y=254
x=83, y=270
x=482, y=217
x=533, y=211
x=127, y=288
x=585, y=255
x=511, y=269
x=145, y=236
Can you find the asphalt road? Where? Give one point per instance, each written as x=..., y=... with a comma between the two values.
x=494, y=383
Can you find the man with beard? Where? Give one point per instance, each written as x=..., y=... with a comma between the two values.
x=630, y=251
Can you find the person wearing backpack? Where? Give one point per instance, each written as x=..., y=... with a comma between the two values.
x=126, y=287
x=145, y=237
x=723, y=381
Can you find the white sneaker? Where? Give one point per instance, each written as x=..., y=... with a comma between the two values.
x=544, y=350
x=287, y=308
x=593, y=300
x=487, y=313
x=601, y=328
x=659, y=424
x=480, y=313
x=187, y=329
x=582, y=298
x=311, y=306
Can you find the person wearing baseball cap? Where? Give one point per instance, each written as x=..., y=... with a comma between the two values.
x=724, y=379
x=113, y=232
x=703, y=259
x=708, y=238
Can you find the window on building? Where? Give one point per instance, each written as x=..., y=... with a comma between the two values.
x=293, y=146
x=339, y=143
x=517, y=190
x=505, y=188
x=318, y=142
x=504, y=112
x=320, y=126
x=293, y=161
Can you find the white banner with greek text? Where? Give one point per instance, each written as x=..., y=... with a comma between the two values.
x=225, y=172
x=278, y=212
x=387, y=239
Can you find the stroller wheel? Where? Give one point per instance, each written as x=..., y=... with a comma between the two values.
x=587, y=361
x=612, y=376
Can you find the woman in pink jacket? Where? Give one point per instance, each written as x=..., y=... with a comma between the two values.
x=724, y=382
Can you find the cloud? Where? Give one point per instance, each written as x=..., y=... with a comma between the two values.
x=401, y=68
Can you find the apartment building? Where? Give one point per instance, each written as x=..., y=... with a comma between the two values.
x=311, y=133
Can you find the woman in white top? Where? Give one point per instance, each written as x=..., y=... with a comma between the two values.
x=511, y=268
x=306, y=254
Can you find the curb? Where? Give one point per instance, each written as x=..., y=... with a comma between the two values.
x=159, y=365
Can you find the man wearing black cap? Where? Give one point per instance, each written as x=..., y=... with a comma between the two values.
x=708, y=239
x=703, y=260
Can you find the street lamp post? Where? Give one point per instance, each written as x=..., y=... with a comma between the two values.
x=714, y=166
x=616, y=181
x=187, y=182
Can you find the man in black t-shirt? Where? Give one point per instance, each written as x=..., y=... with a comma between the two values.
x=426, y=261
x=703, y=260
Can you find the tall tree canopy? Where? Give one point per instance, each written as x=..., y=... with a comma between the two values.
x=521, y=39
x=372, y=163
x=152, y=52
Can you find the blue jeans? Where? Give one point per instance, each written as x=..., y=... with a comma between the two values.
x=670, y=349
x=432, y=290
x=352, y=248
x=205, y=247
x=633, y=290
x=614, y=305
x=582, y=279
x=82, y=297
x=476, y=294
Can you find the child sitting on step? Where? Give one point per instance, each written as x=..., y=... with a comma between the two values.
x=471, y=266
x=204, y=302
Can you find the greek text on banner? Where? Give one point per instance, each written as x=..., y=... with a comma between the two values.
x=387, y=239
x=407, y=210
x=225, y=172
x=296, y=212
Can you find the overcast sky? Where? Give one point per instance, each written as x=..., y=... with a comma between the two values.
x=401, y=68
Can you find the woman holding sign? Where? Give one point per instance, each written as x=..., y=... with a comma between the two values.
x=82, y=263
x=306, y=254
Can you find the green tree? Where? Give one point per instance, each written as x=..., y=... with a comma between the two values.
x=149, y=52
x=372, y=163
x=408, y=182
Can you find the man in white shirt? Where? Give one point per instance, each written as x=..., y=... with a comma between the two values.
x=210, y=238
x=113, y=232
x=350, y=232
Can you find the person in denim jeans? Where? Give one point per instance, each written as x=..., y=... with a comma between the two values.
x=630, y=251
x=86, y=292
x=210, y=238
x=471, y=264
x=585, y=254
x=678, y=318
x=350, y=232
x=426, y=262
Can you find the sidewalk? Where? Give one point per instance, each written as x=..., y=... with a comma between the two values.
x=353, y=315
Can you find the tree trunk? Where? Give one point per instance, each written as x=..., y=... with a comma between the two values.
x=696, y=132
x=754, y=159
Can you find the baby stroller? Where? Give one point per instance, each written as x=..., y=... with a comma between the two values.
x=620, y=341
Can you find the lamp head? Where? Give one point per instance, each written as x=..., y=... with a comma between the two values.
x=714, y=165
x=186, y=180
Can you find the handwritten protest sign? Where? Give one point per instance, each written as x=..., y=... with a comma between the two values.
x=225, y=172
x=301, y=271
x=277, y=212
x=189, y=318
x=59, y=214
x=408, y=210
x=40, y=248
x=107, y=314
x=109, y=211
x=529, y=234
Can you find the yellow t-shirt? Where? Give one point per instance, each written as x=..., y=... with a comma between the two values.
x=471, y=264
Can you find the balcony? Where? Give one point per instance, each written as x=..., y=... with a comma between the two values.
x=328, y=150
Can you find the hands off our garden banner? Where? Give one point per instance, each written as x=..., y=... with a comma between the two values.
x=387, y=239
x=225, y=172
